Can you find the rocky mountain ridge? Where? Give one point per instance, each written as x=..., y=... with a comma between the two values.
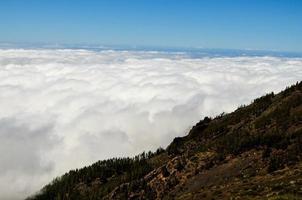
x=254, y=152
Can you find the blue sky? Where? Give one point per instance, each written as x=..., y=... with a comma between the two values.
x=234, y=24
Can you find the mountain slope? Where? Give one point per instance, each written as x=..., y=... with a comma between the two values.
x=252, y=153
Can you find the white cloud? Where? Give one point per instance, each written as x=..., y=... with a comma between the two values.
x=63, y=109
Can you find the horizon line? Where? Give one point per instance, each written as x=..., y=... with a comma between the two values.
x=82, y=45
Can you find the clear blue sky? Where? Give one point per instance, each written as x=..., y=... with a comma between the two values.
x=244, y=24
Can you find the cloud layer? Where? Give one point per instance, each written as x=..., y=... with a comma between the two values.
x=63, y=109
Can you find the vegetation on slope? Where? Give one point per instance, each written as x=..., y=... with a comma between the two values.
x=253, y=153
x=97, y=180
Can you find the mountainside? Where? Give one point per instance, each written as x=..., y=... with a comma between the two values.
x=254, y=152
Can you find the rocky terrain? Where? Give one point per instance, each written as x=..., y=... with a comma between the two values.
x=254, y=152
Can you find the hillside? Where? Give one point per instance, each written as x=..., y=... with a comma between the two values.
x=254, y=152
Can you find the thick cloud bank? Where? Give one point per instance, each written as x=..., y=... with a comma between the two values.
x=62, y=109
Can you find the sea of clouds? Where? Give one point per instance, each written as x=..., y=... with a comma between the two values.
x=63, y=109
